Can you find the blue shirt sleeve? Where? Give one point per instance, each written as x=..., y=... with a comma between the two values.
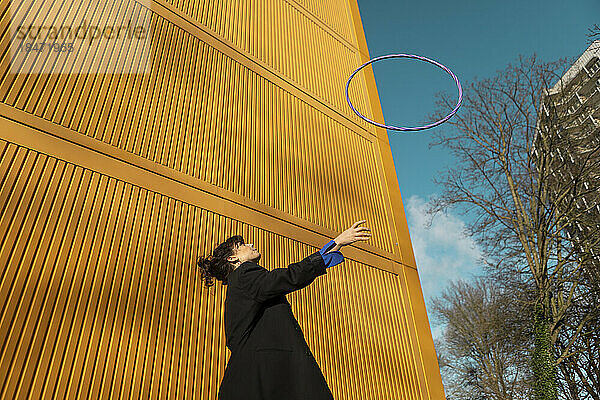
x=332, y=258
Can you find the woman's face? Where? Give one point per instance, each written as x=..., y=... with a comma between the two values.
x=244, y=252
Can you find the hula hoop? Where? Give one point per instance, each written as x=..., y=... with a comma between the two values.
x=400, y=128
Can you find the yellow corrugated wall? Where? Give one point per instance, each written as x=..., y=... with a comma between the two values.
x=111, y=185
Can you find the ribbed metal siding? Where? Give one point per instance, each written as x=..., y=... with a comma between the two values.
x=187, y=114
x=100, y=295
x=334, y=15
x=290, y=37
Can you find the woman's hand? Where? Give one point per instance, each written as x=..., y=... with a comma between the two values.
x=353, y=234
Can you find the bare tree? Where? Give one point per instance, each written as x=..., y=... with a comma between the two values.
x=525, y=200
x=485, y=343
x=580, y=372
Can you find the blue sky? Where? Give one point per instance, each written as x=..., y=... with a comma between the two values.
x=474, y=39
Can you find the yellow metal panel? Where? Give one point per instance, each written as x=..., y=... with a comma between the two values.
x=111, y=185
x=429, y=374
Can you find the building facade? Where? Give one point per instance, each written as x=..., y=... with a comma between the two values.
x=570, y=113
x=122, y=162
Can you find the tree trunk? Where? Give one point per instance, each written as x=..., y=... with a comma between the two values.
x=543, y=363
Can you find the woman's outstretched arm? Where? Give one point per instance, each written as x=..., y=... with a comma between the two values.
x=262, y=284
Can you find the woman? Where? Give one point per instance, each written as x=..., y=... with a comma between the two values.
x=270, y=359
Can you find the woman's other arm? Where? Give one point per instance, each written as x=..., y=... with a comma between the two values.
x=262, y=284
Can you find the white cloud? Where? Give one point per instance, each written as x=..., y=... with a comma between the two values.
x=443, y=253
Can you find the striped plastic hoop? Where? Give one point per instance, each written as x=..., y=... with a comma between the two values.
x=401, y=128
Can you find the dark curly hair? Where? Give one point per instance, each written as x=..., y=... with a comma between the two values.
x=216, y=266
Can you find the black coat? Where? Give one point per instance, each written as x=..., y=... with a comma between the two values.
x=270, y=359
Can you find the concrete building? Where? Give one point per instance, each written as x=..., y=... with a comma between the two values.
x=571, y=110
